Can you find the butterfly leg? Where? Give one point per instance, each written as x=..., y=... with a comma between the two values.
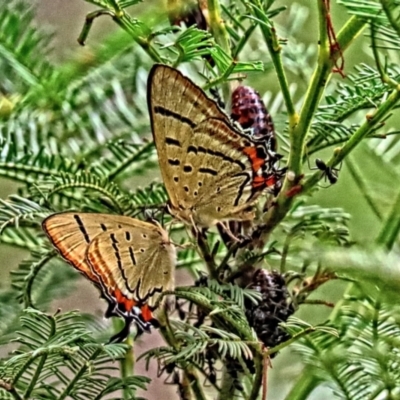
x=226, y=229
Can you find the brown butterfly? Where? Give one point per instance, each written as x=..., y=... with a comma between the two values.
x=130, y=261
x=212, y=170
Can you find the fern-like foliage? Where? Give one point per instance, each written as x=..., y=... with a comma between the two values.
x=57, y=358
x=361, y=361
x=76, y=136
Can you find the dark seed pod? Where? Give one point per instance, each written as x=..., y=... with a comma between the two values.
x=187, y=12
x=273, y=308
x=248, y=109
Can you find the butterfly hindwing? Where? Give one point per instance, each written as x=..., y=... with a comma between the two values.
x=136, y=262
x=207, y=164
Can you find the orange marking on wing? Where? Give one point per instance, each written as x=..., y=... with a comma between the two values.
x=146, y=313
x=121, y=299
x=256, y=162
x=270, y=181
x=259, y=182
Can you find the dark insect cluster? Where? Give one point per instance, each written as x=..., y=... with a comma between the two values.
x=273, y=308
x=248, y=109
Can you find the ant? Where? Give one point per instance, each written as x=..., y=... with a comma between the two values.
x=330, y=173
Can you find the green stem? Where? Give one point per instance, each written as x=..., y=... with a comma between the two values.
x=390, y=229
x=89, y=22
x=258, y=377
x=195, y=385
x=12, y=170
x=35, y=377
x=205, y=252
x=387, y=8
x=314, y=92
x=189, y=371
x=304, y=386
x=288, y=342
x=228, y=320
x=217, y=25
x=127, y=364
x=274, y=48
x=124, y=20
x=30, y=278
x=384, y=76
x=298, y=135
x=371, y=122
x=221, y=36
x=90, y=186
x=78, y=375
x=227, y=386
x=133, y=158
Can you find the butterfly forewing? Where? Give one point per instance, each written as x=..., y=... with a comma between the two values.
x=71, y=233
x=207, y=164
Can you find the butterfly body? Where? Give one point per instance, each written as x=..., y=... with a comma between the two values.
x=130, y=261
x=211, y=169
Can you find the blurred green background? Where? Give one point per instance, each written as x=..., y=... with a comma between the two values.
x=65, y=20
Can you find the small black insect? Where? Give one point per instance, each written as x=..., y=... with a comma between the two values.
x=330, y=173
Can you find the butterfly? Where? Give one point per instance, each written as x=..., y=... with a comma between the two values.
x=130, y=261
x=212, y=170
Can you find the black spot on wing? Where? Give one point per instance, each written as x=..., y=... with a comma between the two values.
x=241, y=188
x=117, y=254
x=174, y=162
x=201, y=149
x=132, y=255
x=172, y=142
x=192, y=149
x=82, y=228
x=168, y=113
x=209, y=171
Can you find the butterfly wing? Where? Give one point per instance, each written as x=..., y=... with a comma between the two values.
x=134, y=263
x=76, y=235
x=209, y=167
x=71, y=233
